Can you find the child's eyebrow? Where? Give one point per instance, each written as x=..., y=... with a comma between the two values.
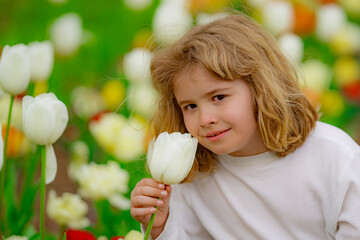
x=213, y=92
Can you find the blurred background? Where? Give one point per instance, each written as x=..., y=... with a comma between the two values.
x=98, y=66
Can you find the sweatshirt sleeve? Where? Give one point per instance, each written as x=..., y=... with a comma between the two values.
x=182, y=223
x=348, y=222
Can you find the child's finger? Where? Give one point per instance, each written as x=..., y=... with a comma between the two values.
x=151, y=183
x=149, y=191
x=139, y=213
x=141, y=200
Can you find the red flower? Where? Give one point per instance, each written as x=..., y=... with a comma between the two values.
x=79, y=235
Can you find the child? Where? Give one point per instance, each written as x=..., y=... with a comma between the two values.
x=265, y=168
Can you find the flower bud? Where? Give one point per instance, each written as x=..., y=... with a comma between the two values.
x=41, y=59
x=171, y=157
x=171, y=20
x=15, y=69
x=44, y=118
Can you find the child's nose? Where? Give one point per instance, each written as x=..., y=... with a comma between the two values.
x=207, y=117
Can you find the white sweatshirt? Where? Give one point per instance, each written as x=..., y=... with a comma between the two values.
x=311, y=194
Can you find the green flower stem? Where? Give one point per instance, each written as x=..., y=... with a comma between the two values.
x=151, y=222
x=61, y=232
x=3, y=171
x=42, y=196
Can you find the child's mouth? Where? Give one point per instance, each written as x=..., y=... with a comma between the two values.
x=216, y=135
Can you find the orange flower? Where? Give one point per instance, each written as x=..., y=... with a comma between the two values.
x=17, y=143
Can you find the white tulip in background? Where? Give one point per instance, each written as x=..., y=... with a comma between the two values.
x=292, y=46
x=171, y=20
x=68, y=210
x=66, y=33
x=171, y=157
x=1, y=149
x=41, y=60
x=44, y=121
x=119, y=136
x=129, y=141
x=278, y=16
x=14, y=237
x=15, y=69
x=142, y=99
x=330, y=19
x=138, y=4
x=136, y=65
x=87, y=101
x=204, y=18
x=317, y=75
x=104, y=181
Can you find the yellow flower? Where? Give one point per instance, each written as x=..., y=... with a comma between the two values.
x=113, y=93
x=134, y=235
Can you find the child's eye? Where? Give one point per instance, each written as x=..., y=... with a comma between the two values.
x=218, y=98
x=190, y=107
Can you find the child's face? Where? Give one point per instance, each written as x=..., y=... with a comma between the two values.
x=218, y=113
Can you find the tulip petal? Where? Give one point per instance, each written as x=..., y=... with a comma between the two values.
x=160, y=156
x=51, y=164
x=179, y=168
x=38, y=121
x=62, y=117
x=1, y=149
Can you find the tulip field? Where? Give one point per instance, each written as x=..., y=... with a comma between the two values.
x=76, y=98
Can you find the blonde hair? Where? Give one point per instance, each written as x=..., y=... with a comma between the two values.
x=231, y=48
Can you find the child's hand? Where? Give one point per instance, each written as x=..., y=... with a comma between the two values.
x=143, y=200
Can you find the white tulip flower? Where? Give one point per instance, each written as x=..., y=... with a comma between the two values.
x=66, y=33
x=119, y=136
x=278, y=16
x=1, y=149
x=292, y=46
x=317, y=75
x=44, y=118
x=15, y=69
x=104, y=181
x=129, y=142
x=136, y=65
x=330, y=19
x=68, y=210
x=41, y=59
x=171, y=157
x=142, y=99
x=44, y=121
x=87, y=101
x=171, y=21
